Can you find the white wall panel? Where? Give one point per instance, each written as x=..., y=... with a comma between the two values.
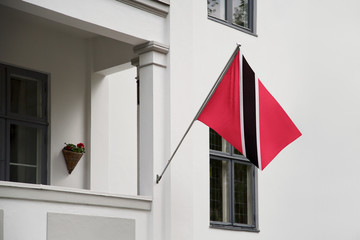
x=81, y=227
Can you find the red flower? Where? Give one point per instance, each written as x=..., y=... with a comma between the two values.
x=68, y=147
x=80, y=145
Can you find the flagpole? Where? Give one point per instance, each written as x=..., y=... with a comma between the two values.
x=213, y=89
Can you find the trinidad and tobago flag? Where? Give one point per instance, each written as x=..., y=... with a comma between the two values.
x=245, y=114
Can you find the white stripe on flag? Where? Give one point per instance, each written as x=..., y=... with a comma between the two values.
x=257, y=120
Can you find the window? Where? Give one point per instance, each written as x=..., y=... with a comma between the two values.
x=235, y=13
x=232, y=187
x=23, y=125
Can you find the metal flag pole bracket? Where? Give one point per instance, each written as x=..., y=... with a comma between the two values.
x=158, y=177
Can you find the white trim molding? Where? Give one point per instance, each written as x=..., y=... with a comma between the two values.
x=151, y=46
x=152, y=53
x=44, y=193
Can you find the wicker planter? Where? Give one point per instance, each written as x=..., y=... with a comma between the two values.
x=71, y=159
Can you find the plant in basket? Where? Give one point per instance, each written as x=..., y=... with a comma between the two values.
x=72, y=154
x=79, y=148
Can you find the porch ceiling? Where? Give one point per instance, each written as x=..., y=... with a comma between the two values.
x=14, y=14
x=85, y=21
x=106, y=52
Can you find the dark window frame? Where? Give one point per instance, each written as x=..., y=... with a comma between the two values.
x=7, y=118
x=2, y=90
x=233, y=158
x=43, y=162
x=2, y=148
x=228, y=18
x=31, y=74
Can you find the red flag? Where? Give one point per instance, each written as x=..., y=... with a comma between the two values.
x=245, y=114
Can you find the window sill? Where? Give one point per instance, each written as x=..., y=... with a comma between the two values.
x=45, y=193
x=235, y=228
x=233, y=26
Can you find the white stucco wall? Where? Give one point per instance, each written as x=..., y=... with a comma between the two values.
x=306, y=55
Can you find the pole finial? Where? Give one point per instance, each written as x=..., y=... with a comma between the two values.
x=238, y=44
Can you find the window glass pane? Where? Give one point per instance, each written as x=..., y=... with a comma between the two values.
x=22, y=174
x=2, y=143
x=25, y=152
x=218, y=143
x=219, y=191
x=237, y=152
x=216, y=8
x=241, y=13
x=2, y=89
x=25, y=96
x=242, y=194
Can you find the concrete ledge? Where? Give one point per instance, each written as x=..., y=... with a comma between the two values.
x=160, y=8
x=1, y=224
x=44, y=193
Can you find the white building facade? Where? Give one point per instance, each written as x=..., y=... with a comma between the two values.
x=127, y=77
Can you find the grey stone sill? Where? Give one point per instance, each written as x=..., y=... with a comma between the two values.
x=235, y=228
x=45, y=193
x=245, y=30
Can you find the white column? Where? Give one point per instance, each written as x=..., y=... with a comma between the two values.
x=154, y=134
x=99, y=133
x=152, y=113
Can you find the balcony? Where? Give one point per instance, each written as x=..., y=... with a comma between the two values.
x=91, y=97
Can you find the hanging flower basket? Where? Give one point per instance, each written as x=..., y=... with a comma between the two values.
x=72, y=155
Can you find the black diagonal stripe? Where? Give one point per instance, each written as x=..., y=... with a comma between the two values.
x=249, y=106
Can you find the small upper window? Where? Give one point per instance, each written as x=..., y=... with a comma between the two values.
x=235, y=13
